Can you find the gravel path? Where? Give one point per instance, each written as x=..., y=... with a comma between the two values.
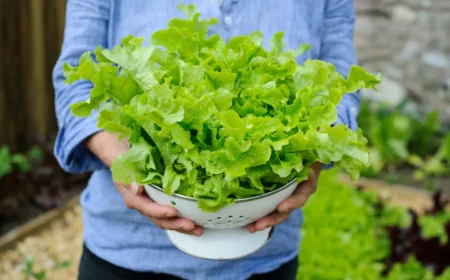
x=56, y=250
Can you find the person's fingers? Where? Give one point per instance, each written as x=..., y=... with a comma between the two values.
x=181, y=224
x=124, y=189
x=299, y=198
x=268, y=221
x=163, y=216
x=197, y=231
x=302, y=193
x=136, y=188
x=251, y=227
x=144, y=204
x=148, y=207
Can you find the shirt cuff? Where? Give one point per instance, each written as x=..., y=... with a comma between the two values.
x=70, y=151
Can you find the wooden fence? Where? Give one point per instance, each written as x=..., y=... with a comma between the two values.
x=31, y=33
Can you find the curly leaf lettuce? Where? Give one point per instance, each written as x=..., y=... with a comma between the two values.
x=217, y=120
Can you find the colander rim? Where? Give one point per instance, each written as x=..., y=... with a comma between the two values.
x=240, y=200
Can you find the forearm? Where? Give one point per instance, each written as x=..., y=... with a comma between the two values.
x=85, y=29
x=348, y=109
x=337, y=48
x=106, y=146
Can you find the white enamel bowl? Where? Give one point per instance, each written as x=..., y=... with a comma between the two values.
x=225, y=235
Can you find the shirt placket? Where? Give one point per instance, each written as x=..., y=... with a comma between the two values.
x=226, y=12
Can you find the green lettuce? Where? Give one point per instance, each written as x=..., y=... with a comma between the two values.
x=217, y=120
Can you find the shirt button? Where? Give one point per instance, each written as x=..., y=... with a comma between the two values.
x=228, y=20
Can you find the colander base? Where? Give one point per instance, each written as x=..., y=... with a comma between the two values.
x=221, y=244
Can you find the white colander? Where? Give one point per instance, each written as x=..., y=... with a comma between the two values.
x=225, y=234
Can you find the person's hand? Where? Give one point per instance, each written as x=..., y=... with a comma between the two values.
x=107, y=147
x=163, y=216
x=296, y=200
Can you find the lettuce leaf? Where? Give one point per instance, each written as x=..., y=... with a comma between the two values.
x=217, y=120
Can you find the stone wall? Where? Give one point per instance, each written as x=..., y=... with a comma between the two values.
x=409, y=42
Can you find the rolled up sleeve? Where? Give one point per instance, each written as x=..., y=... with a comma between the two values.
x=86, y=28
x=337, y=48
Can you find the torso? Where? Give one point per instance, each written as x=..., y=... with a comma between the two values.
x=131, y=240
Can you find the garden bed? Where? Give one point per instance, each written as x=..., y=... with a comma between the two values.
x=376, y=231
x=56, y=244
x=32, y=183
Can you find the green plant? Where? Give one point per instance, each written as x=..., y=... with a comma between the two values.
x=35, y=153
x=390, y=136
x=433, y=226
x=350, y=234
x=394, y=216
x=10, y=161
x=396, y=139
x=30, y=273
x=414, y=270
x=423, y=142
x=410, y=270
x=29, y=270
x=5, y=161
x=438, y=164
x=342, y=237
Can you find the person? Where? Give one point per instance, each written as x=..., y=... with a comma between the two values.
x=124, y=234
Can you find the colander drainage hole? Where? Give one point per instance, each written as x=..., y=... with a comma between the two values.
x=229, y=221
x=209, y=221
x=241, y=217
x=219, y=218
x=230, y=217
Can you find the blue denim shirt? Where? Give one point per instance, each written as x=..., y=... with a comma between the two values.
x=124, y=237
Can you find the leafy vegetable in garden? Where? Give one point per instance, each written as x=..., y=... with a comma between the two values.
x=32, y=182
x=342, y=238
x=434, y=226
x=11, y=161
x=217, y=120
x=351, y=234
x=438, y=164
x=396, y=138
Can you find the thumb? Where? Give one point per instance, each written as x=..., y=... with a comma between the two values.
x=136, y=188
